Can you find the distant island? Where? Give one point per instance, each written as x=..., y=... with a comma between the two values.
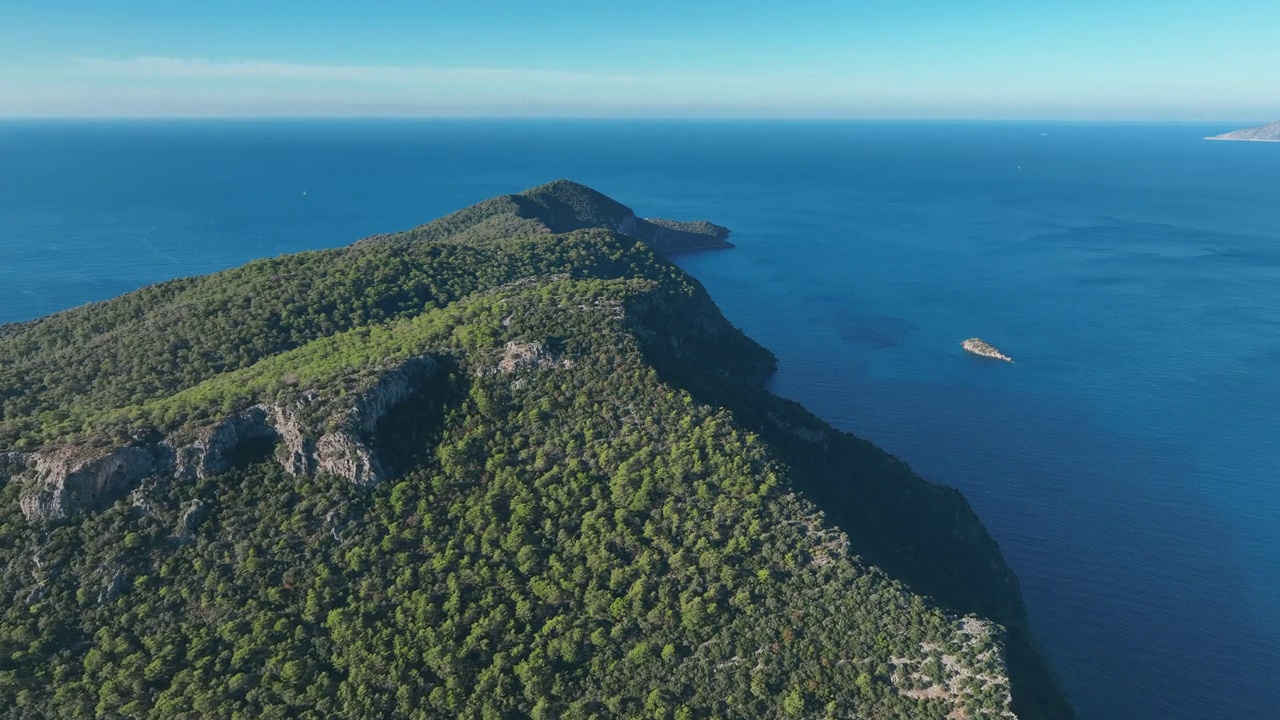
x=1264, y=133
x=978, y=347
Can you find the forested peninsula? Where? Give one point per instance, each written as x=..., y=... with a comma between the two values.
x=509, y=464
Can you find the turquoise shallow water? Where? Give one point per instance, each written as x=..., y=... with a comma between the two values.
x=1127, y=462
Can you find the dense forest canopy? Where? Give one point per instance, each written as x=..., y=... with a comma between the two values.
x=510, y=464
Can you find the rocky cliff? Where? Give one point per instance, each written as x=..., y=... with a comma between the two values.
x=315, y=434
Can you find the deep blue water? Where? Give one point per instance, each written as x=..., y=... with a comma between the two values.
x=1127, y=462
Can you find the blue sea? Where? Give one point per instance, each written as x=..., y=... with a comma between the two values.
x=1128, y=462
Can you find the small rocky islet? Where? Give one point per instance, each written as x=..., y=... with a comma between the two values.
x=980, y=347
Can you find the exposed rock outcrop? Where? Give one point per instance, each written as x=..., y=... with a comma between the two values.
x=112, y=588
x=210, y=452
x=518, y=356
x=389, y=390
x=11, y=464
x=978, y=347
x=192, y=514
x=972, y=667
x=314, y=438
x=71, y=478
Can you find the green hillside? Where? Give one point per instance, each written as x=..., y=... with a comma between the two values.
x=510, y=464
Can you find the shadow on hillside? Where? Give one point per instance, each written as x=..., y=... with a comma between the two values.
x=1132, y=573
x=408, y=435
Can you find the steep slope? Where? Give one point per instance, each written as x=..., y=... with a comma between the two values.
x=469, y=477
x=169, y=336
x=1264, y=133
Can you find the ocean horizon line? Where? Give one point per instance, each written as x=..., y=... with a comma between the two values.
x=622, y=119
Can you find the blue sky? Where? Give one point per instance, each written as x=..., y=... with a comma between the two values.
x=1087, y=59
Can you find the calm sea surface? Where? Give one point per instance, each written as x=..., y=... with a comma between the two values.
x=1128, y=462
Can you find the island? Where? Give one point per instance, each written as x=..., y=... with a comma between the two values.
x=512, y=463
x=1264, y=133
x=978, y=347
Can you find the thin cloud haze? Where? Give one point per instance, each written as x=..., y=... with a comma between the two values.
x=202, y=69
x=811, y=59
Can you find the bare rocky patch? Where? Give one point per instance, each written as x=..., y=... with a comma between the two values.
x=315, y=435
x=969, y=674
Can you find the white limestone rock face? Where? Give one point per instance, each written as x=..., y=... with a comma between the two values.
x=344, y=452
x=316, y=435
x=73, y=478
x=210, y=453
x=390, y=390
x=344, y=455
x=517, y=356
x=296, y=453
